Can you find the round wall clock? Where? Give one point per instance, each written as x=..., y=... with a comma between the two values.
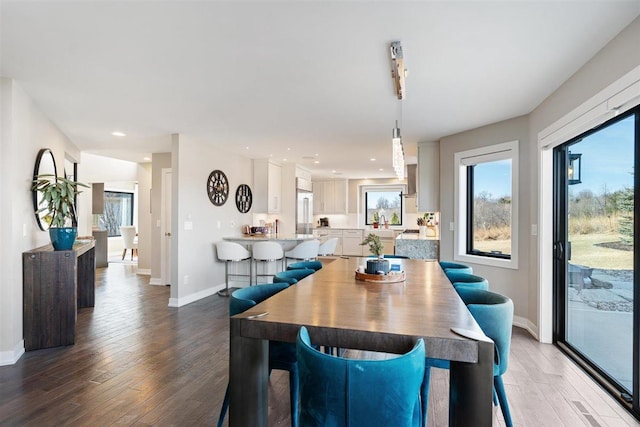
x=244, y=198
x=218, y=187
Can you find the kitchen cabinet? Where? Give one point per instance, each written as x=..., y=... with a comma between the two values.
x=351, y=240
x=267, y=186
x=330, y=197
x=428, y=176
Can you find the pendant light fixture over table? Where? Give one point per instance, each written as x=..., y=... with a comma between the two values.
x=398, y=73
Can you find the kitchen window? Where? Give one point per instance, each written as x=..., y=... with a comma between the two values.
x=487, y=205
x=118, y=211
x=383, y=204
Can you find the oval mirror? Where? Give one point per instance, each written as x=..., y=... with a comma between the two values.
x=45, y=165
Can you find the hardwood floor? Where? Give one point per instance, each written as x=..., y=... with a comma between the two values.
x=138, y=362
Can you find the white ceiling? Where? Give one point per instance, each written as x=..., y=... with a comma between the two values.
x=294, y=79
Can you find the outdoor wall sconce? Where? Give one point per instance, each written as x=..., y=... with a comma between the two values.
x=575, y=168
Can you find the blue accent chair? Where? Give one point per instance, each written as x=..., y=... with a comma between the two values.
x=462, y=268
x=292, y=277
x=494, y=314
x=311, y=265
x=459, y=279
x=347, y=392
x=282, y=355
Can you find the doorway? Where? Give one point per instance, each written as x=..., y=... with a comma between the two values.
x=595, y=258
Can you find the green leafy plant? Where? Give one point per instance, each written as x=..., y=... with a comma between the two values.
x=375, y=245
x=376, y=217
x=58, y=199
x=395, y=219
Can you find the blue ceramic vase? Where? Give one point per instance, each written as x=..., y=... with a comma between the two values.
x=63, y=238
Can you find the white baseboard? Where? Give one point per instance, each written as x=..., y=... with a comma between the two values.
x=144, y=272
x=179, y=302
x=155, y=281
x=527, y=325
x=11, y=357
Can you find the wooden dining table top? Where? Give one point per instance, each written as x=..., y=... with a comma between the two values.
x=341, y=311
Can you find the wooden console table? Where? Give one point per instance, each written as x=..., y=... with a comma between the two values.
x=55, y=285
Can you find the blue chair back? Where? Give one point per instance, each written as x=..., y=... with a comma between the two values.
x=346, y=392
x=463, y=268
x=494, y=314
x=292, y=277
x=311, y=265
x=244, y=298
x=458, y=279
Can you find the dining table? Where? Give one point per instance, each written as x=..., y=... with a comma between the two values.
x=342, y=311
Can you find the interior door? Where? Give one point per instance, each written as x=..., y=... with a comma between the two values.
x=595, y=269
x=165, y=229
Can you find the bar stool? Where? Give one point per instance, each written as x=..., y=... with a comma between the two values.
x=454, y=266
x=266, y=252
x=305, y=251
x=232, y=252
x=329, y=247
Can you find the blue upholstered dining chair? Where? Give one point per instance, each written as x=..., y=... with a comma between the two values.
x=281, y=355
x=494, y=314
x=291, y=277
x=312, y=265
x=455, y=266
x=459, y=279
x=335, y=391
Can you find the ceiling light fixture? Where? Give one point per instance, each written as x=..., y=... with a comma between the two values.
x=398, y=72
x=117, y=133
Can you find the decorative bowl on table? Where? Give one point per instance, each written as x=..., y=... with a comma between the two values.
x=258, y=230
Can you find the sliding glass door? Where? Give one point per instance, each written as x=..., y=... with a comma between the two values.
x=596, y=256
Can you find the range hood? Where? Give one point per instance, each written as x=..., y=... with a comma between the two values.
x=412, y=181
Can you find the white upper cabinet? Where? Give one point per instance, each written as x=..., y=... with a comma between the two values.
x=330, y=197
x=428, y=176
x=267, y=186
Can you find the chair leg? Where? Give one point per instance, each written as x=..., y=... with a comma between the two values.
x=124, y=252
x=293, y=395
x=502, y=398
x=225, y=406
x=424, y=394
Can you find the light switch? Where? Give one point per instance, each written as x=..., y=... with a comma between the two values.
x=534, y=229
x=452, y=226
x=188, y=225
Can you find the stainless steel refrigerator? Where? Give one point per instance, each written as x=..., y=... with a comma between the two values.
x=304, y=206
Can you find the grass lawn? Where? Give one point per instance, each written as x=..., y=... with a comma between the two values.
x=583, y=251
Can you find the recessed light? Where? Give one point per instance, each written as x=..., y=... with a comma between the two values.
x=333, y=171
x=146, y=159
x=372, y=159
x=288, y=149
x=246, y=148
x=284, y=160
x=380, y=169
x=116, y=133
x=316, y=161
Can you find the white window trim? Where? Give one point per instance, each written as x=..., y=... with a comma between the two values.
x=503, y=151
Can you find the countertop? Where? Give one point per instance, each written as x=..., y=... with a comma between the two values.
x=415, y=236
x=270, y=237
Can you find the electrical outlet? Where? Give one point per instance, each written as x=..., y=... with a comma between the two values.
x=452, y=226
x=219, y=224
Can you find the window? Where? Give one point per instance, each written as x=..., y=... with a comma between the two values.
x=118, y=211
x=487, y=205
x=383, y=204
x=489, y=209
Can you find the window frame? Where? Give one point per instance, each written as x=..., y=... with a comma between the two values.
x=132, y=196
x=383, y=188
x=463, y=209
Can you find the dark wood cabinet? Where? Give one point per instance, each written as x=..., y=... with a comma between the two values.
x=55, y=285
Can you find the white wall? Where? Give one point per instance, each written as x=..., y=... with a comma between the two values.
x=512, y=283
x=25, y=130
x=144, y=218
x=193, y=250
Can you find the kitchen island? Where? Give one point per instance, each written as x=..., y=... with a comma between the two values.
x=417, y=247
x=288, y=241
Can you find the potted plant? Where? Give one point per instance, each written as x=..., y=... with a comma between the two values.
x=376, y=219
x=422, y=226
x=58, y=203
x=376, y=247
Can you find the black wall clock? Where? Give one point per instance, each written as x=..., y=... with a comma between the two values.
x=244, y=198
x=218, y=187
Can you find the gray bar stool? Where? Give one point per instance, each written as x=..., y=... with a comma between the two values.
x=232, y=252
x=266, y=253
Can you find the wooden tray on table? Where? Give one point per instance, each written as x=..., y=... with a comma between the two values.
x=392, y=277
